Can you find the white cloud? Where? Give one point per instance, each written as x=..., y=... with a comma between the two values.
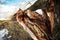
x=22, y=5
x=25, y=5
x=39, y=11
x=7, y=11
x=2, y=0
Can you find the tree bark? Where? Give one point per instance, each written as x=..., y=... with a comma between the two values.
x=56, y=32
x=38, y=4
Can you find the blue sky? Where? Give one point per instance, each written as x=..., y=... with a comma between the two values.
x=9, y=7
x=15, y=2
x=12, y=2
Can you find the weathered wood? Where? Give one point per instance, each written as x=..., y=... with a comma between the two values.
x=38, y=5
x=36, y=26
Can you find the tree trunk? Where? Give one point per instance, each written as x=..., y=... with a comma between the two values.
x=56, y=32
x=42, y=4
x=38, y=4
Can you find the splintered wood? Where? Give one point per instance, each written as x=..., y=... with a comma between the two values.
x=39, y=24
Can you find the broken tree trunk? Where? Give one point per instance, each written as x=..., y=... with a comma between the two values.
x=38, y=28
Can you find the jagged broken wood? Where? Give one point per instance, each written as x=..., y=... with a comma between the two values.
x=35, y=24
x=38, y=26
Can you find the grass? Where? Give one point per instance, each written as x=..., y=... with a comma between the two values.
x=15, y=30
